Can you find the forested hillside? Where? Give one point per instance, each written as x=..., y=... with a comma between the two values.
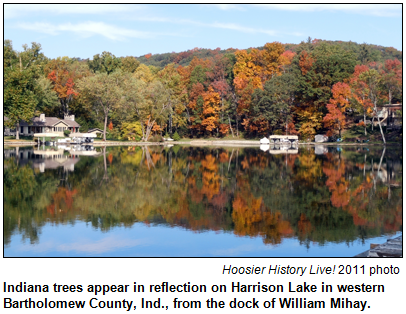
x=279, y=88
x=364, y=53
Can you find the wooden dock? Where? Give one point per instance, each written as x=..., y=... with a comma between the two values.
x=391, y=248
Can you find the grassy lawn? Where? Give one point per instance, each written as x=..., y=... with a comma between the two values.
x=22, y=139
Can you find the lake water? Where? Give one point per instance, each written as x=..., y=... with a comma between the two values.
x=200, y=201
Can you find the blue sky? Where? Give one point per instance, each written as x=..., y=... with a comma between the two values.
x=77, y=30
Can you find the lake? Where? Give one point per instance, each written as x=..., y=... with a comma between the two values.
x=181, y=201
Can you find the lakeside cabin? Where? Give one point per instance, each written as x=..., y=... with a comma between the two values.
x=44, y=124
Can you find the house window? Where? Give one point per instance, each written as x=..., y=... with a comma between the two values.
x=22, y=130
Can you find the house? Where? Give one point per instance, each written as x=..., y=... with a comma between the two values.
x=44, y=124
x=389, y=112
x=96, y=131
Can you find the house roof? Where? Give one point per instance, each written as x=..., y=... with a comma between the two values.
x=49, y=121
x=95, y=130
x=71, y=123
x=393, y=106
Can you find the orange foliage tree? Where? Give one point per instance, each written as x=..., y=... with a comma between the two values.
x=360, y=92
x=62, y=79
x=251, y=70
x=335, y=118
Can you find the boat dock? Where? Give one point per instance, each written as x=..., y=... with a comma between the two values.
x=391, y=248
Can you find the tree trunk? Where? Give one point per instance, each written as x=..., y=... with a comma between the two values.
x=18, y=130
x=365, y=123
x=390, y=96
x=380, y=128
x=105, y=176
x=229, y=121
x=148, y=129
x=17, y=155
x=143, y=132
x=236, y=123
x=379, y=123
x=105, y=126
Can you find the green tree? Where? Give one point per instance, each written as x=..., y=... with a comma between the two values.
x=19, y=98
x=103, y=93
x=171, y=80
x=129, y=64
x=318, y=70
x=47, y=97
x=104, y=63
x=20, y=85
x=275, y=103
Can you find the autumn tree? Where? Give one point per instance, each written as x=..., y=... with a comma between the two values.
x=252, y=69
x=63, y=81
x=211, y=109
x=247, y=78
x=335, y=118
x=173, y=83
x=129, y=64
x=310, y=120
x=149, y=102
x=222, y=77
x=372, y=78
x=102, y=92
x=360, y=92
x=392, y=77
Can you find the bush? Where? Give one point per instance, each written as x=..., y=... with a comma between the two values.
x=132, y=138
x=66, y=132
x=156, y=138
x=176, y=136
x=278, y=132
x=131, y=129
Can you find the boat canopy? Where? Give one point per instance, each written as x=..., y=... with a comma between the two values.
x=47, y=135
x=83, y=135
x=279, y=137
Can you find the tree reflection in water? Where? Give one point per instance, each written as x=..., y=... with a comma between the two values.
x=339, y=195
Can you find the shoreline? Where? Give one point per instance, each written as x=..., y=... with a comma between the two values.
x=242, y=143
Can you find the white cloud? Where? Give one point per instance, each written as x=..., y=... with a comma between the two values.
x=240, y=28
x=16, y=10
x=87, y=246
x=230, y=26
x=88, y=29
x=367, y=9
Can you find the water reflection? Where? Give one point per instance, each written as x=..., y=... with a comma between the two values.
x=313, y=194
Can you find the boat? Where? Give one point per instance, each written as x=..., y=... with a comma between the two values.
x=83, y=138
